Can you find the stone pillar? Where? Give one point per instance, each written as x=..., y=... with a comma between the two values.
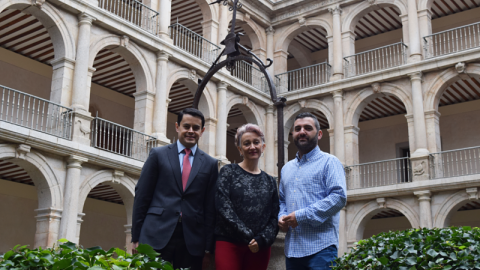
x=223, y=23
x=61, y=90
x=270, y=47
x=207, y=142
x=338, y=123
x=418, y=115
x=144, y=103
x=342, y=239
x=351, y=145
x=81, y=127
x=414, y=32
x=222, y=114
x=270, y=142
x=164, y=18
x=432, y=122
x=79, y=226
x=68, y=226
x=80, y=97
x=210, y=30
x=280, y=62
x=332, y=140
x=48, y=223
x=128, y=235
x=337, y=43
x=330, y=49
x=262, y=54
x=411, y=132
x=425, y=208
x=160, y=112
x=425, y=22
x=405, y=33
x=348, y=43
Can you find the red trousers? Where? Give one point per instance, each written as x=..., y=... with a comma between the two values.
x=230, y=256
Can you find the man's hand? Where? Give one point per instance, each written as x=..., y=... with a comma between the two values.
x=253, y=246
x=281, y=223
x=134, y=247
x=291, y=220
x=206, y=261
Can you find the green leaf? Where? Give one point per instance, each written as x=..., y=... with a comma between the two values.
x=432, y=253
x=63, y=240
x=8, y=254
x=69, y=245
x=95, y=268
x=383, y=260
x=147, y=250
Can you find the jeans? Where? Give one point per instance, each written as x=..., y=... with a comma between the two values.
x=318, y=261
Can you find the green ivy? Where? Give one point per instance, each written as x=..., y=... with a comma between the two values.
x=69, y=256
x=416, y=249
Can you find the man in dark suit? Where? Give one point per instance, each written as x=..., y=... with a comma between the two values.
x=174, y=208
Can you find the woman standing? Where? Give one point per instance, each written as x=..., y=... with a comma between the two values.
x=247, y=207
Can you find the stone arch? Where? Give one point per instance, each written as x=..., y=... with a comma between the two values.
x=368, y=210
x=144, y=75
x=363, y=97
x=124, y=185
x=49, y=189
x=249, y=109
x=425, y=4
x=256, y=34
x=351, y=19
x=209, y=12
x=442, y=81
x=309, y=106
x=290, y=32
x=449, y=207
x=62, y=39
x=189, y=79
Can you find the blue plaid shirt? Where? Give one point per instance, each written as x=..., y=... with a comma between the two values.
x=314, y=187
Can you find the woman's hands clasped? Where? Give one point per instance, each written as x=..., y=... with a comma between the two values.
x=253, y=246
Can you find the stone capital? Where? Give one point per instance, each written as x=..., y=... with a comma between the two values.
x=335, y=10
x=352, y=129
x=270, y=30
x=91, y=70
x=163, y=55
x=62, y=62
x=337, y=94
x=381, y=202
x=48, y=214
x=280, y=53
x=270, y=109
x=330, y=131
x=416, y=76
x=75, y=161
x=433, y=113
x=425, y=12
x=85, y=18
x=128, y=228
x=211, y=121
x=22, y=150
x=144, y=95
x=472, y=194
x=222, y=85
x=423, y=195
x=80, y=218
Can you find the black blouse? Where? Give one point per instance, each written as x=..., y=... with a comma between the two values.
x=247, y=207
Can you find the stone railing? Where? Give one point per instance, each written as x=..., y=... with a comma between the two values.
x=121, y=140
x=456, y=162
x=36, y=113
x=303, y=77
x=453, y=40
x=379, y=173
x=193, y=43
x=251, y=75
x=134, y=12
x=377, y=59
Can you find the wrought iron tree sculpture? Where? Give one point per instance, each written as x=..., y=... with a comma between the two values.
x=232, y=53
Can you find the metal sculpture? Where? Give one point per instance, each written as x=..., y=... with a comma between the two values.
x=233, y=54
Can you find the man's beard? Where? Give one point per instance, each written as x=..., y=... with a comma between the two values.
x=306, y=147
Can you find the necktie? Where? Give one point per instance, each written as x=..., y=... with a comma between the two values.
x=186, y=167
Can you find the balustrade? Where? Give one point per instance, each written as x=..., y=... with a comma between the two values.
x=456, y=162
x=453, y=40
x=251, y=75
x=303, y=77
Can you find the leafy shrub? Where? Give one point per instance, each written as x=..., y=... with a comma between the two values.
x=416, y=249
x=69, y=256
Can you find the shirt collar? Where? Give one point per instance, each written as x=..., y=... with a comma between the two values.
x=309, y=155
x=181, y=147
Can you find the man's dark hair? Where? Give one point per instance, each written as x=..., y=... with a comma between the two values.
x=193, y=112
x=307, y=114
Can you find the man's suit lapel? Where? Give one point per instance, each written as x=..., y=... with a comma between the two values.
x=175, y=163
x=197, y=164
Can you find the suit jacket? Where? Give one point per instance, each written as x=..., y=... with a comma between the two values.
x=159, y=200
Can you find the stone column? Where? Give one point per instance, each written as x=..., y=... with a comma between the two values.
x=222, y=113
x=280, y=61
x=338, y=123
x=270, y=142
x=128, y=235
x=425, y=208
x=223, y=23
x=164, y=18
x=160, y=112
x=207, y=142
x=144, y=103
x=348, y=43
x=425, y=23
x=411, y=132
x=432, y=121
x=337, y=43
x=414, y=33
x=80, y=102
x=405, y=33
x=418, y=115
x=351, y=145
x=210, y=30
x=79, y=226
x=330, y=49
x=61, y=89
x=342, y=239
x=48, y=222
x=270, y=47
x=68, y=225
x=332, y=140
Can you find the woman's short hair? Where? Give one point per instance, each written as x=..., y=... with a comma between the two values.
x=248, y=128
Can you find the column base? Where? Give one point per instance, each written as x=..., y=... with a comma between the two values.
x=420, y=152
x=336, y=77
x=166, y=37
x=222, y=161
x=420, y=167
x=161, y=139
x=81, y=127
x=414, y=58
